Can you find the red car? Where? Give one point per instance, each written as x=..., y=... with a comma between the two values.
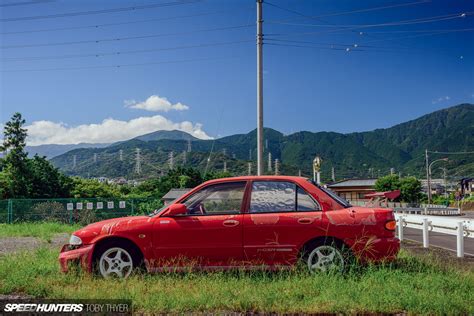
x=249, y=222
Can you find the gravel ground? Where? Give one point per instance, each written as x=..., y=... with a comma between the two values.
x=13, y=244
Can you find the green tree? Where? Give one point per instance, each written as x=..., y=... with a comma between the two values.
x=91, y=188
x=15, y=163
x=410, y=189
x=46, y=181
x=387, y=183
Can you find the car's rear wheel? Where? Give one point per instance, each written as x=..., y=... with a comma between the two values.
x=326, y=258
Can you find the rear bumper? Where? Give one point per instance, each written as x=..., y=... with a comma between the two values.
x=376, y=249
x=81, y=256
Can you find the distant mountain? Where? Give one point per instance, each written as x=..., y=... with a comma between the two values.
x=53, y=150
x=363, y=154
x=170, y=135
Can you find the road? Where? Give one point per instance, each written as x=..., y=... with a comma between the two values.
x=439, y=240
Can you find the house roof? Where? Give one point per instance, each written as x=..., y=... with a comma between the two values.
x=353, y=183
x=173, y=194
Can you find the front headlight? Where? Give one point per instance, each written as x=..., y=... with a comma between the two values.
x=75, y=241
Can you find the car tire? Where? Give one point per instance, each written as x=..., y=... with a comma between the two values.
x=327, y=257
x=116, y=259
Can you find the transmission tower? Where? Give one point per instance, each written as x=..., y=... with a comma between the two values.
x=184, y=157
x=224, y=151
x=333, y=174
x=269, y=162
x=249, y=168
x=121, y=155
x=277, y=165
x=138, y=163
x=74, y=158
x=189, y=145
x=95, y=157
x=225, y=166
x=171, y=159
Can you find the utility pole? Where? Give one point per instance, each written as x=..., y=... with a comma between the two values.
x=445, y=184
x=299, y=173
x=428, y=182
x=138, y=163
x=249, y=168
x=277, y=165
x=225, y=166
x=250, y=154
x=259, y=88
x=392, y=171
x=269, y=162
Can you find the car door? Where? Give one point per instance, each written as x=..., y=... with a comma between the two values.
x=281, y=216
x=210, y=234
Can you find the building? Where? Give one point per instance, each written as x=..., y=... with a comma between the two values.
x=173, y=194
x=354, y=189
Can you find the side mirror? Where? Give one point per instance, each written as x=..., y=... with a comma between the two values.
x=177, y=209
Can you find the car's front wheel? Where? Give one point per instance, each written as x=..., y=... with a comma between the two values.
x=326, y=258
x=115, y=262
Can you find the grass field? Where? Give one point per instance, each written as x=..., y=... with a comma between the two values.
x=414, y=284
x=45, y=230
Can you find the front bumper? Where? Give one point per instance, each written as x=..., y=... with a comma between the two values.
x=376, y=249
x=80, y=256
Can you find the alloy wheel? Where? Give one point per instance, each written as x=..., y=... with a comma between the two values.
x=116, y=262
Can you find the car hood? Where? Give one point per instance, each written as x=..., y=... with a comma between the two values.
x=110, y=227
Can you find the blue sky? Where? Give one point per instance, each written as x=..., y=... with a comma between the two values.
x=396, y=72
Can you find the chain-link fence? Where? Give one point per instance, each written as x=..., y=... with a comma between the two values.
x=83, y=211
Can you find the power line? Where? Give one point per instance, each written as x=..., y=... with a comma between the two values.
x=452, y=152
x=395, y=23
x=126, y=38
x=350, y=12
x=119, y=66
x=343, y=28
x=97, y=26
x=92, y=12
x=16, y=4
x=117, y=53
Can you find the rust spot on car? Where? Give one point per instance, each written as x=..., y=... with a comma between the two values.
x=264, y=219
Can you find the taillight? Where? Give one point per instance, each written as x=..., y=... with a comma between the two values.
x=391, y=225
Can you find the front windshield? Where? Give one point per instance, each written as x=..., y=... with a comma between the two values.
x=332, y=194
x=157, y=211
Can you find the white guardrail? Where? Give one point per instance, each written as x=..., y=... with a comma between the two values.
x=441, y=224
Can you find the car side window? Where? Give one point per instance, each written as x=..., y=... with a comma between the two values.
x=305, y=202
x=224, y=198
x=280, y=196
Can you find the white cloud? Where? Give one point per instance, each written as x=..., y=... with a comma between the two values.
x=156, y=103
x=441, y=99
x=109, y=130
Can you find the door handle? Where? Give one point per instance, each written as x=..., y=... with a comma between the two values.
x=230, y=223
x=305, y=220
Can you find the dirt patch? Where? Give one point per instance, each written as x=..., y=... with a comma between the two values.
x=14, y=244
x=444, y=257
